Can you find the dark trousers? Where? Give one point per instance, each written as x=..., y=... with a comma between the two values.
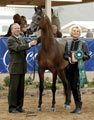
x=16, y=91
x=75, y=83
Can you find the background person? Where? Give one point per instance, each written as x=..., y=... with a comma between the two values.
x=73, y=74
x=23, y=20
x=89, y=34
x=17, y=47
x=9, y=32
x=55, y=20
x=16, y=19
x=23, y=29
x=56, y=32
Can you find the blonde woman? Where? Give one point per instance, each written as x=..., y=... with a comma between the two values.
x=73, y=74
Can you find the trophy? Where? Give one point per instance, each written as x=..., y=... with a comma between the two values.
x=73, y=59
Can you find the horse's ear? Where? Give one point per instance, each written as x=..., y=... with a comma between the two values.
x=39, y=8
x=35, y=9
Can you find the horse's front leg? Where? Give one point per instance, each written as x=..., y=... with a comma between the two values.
x=41, y=87
x=53, y=91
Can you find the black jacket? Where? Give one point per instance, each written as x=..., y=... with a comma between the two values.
x=74, y=45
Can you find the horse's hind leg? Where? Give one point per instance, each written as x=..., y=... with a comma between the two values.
x=41, y=87
x=53, y=91
x=66, y=70
x=66, y=88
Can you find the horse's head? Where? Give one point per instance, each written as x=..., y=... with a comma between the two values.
x=38, y=19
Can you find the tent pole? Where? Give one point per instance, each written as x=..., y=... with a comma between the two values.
x=48, y=8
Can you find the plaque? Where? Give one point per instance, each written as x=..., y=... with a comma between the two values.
x=73, y=57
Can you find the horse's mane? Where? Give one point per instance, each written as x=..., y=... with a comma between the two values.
x=47, y=20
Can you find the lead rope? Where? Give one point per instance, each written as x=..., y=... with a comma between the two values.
x=38, y=35
x=33, y=67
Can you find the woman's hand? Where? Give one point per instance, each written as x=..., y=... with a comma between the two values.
x=70, y=60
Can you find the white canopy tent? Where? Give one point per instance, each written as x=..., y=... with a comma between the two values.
x=45, y=3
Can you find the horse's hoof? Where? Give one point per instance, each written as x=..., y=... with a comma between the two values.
x=38, y=109
x=67, y=106
x=53, y=110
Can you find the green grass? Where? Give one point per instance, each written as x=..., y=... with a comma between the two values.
x=1, y=87
x=91, y=84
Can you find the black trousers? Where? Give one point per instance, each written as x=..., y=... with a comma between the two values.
x=16, y=91
x=75, y=82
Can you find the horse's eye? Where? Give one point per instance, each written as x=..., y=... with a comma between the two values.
x=38, y=18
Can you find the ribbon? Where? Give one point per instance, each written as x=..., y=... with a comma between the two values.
x=83, y=78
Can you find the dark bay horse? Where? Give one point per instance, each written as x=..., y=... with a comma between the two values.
x=50, y=56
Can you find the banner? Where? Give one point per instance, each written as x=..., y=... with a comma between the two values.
x=32, y=54
x=89, y=65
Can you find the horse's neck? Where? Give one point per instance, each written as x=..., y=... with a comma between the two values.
x=47, y=38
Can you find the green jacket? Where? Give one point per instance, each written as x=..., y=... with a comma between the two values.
x=17, y=55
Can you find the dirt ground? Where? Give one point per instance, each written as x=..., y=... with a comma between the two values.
x=31, y=102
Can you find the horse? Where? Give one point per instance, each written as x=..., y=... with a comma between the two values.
x=50, y=56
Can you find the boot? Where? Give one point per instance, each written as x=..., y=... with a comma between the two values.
x=77, y=110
